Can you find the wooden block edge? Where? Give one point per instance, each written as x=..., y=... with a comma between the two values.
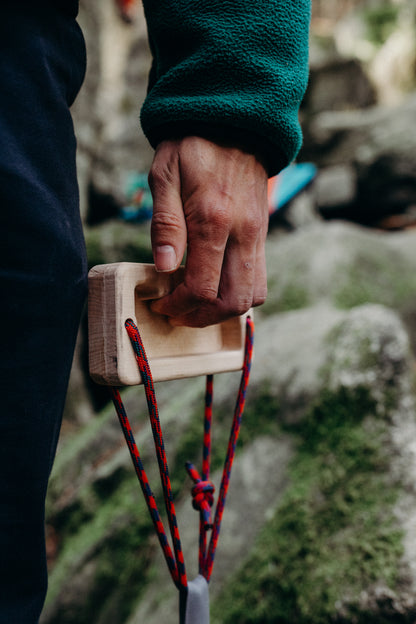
x=110, y=364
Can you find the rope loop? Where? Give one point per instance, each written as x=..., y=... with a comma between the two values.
x=203, y=489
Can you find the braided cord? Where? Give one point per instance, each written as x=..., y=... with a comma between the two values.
x=176, y=564
x=205, y=524
x=146, y=489
x=203, y=490
x=206, y=449
x=208, y=560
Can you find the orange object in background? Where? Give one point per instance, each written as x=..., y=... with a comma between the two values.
x=127, y=9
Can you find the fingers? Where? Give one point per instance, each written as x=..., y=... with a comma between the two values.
x=243, y=282
x=231, y=281
x=231, y=301
x=208, y=230
x=214, y=199
x=168, y=229
x=260, y=280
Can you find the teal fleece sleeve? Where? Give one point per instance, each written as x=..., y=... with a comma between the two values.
x=228, y=70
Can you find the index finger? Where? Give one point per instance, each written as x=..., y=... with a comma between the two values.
x=208, y=231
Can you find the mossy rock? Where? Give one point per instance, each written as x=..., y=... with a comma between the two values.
x=97, y=514
x=341, y=263
x=334, y=533
x=370, y=348
x=329, y=535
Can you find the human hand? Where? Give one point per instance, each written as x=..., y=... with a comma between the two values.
x=210, y=200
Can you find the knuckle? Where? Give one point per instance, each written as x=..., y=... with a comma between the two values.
x=160, y=177
x=221, y=218
x=259, y=299
x=164, y=218
x=240, y=306
x=251, y=227
x=212, y=215
x=155, y=177
x=204, y=295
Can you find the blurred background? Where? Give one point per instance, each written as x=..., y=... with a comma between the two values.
x=320, y=525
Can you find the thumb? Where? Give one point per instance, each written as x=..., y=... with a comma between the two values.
x=168, y=229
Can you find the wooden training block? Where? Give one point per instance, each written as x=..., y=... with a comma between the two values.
x=124, y=290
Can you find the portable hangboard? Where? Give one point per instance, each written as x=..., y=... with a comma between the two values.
x=125, y=290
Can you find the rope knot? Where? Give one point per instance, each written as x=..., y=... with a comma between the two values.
x=202, y=495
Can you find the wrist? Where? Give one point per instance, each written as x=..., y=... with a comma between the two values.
x=272, y=159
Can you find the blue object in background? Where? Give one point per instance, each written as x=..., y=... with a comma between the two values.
x=139, y=198
x=291, y=181
x=281, y=189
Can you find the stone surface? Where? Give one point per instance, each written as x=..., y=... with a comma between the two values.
x=252, y=496
x=341, y=263
x=338, y=84
x=335, y=188
x=379, y=146
x=370, y=348
x=106, y=113
x=305, y=345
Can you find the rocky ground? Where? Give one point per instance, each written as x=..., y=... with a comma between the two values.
x=321, y=518
x=320, y=525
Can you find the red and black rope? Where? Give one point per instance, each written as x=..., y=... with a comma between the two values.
x=203, y=490
x=206, y=570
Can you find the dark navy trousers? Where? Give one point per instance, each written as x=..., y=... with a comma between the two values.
x=42, y=277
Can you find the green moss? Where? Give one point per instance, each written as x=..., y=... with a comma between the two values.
x=116, y=543
x=189, y=449
x=361, y=353
x=261, y=416
x=107, y=535
x=123, y=570
x=374, y=279
x=286, y=297
x=127, y=105
x=380, y=21
x=333, y=534
x=79, y=451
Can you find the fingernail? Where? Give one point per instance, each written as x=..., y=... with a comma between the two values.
x=165, y=258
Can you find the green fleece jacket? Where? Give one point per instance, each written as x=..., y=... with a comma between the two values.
x=232, y=70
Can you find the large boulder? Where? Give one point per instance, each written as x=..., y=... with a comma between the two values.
x=337, y=83
x=377, y=144
x=340, y=263
x=319, y=525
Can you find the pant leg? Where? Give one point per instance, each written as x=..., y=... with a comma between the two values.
x=42, y=280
